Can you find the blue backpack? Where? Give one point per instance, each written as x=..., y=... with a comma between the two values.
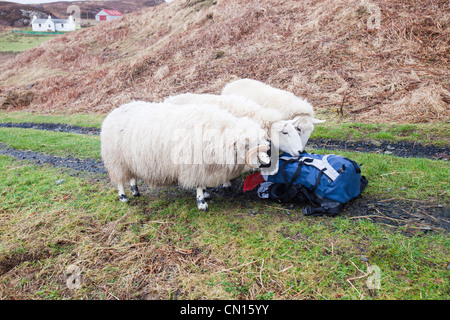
x=326, y=182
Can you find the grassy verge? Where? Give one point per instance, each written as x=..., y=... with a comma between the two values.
x=425, y=133
x=82, y=120
x=162, y=247
x=57, y=143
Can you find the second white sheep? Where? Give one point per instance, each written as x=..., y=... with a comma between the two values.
x=285, y=102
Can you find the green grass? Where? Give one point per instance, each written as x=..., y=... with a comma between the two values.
x=162, y=246
x=429, y=133
x=57, y=143
x=17, y=42
x=83, y=120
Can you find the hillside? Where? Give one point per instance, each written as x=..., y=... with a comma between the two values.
x=19, y=15
x=380, y=61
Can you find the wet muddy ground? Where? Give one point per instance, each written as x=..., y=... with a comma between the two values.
x=412, y=216
x=399, y=149
x=57, y=127
x=86, y=165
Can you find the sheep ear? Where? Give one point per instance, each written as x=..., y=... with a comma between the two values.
x=317, y=121
x=296, y=120
x=277, y=126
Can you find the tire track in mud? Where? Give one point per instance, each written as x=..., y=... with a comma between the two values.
x=404, y=149
x=86, y=165
x=417, y=216
x=58, y=127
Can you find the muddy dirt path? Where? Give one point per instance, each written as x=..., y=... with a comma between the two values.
x=412, y=216
x=85, y=165
x=58, y=127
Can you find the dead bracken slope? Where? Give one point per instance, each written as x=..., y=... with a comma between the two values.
x=380, y=60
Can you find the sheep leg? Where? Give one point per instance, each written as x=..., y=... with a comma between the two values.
x=122, y=196
x=134, y=188
x=227, y=187
x=201, y=203
x=226, y=184
x=206, y=194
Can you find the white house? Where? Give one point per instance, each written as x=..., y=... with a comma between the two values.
x=52, y=25
x=108, y=15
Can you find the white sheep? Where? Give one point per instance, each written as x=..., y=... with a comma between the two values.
x=193, y=146
x=282, y=133
x=291, y=106
x=238, y=105
x=270, y=119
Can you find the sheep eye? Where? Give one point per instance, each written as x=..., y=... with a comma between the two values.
x=299, y=130
x=284, y=132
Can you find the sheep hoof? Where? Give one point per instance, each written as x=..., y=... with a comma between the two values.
x=135, y=191
x=202, y=205
x=123, y=198
x=226, y=184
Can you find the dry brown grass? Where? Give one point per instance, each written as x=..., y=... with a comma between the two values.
x=326, y=51
x=112, y=267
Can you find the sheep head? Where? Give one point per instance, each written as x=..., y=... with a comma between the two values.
x=285, y=138
x=305, y=125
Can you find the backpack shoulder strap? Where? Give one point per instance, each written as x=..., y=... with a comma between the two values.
x=320, y=164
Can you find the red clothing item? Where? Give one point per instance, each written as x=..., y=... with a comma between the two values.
x=252, y=181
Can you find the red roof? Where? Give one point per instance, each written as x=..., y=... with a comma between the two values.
x=113, y=12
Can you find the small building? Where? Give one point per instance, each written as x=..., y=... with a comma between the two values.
x=108, y=15
x=52, y=25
